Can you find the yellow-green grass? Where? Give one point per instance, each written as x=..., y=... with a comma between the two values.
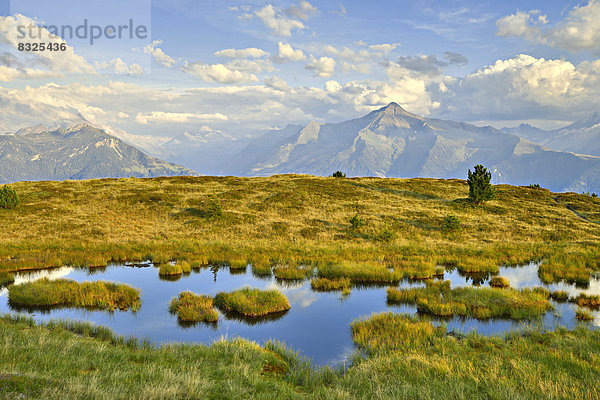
x=6, y=278
x=325, y=284
x=90, y=223
x=44, y=293
x=191, y=308
x=583, y=315
x=288, y=272
x=360, y=272
x=252, y=302
x=589, y=301
x=169, y=269
x=560, y=296
x=499, y=282
x=481, y=303
x=388, y=332
x=570, y=273
x=83, y=361
x=262, y=269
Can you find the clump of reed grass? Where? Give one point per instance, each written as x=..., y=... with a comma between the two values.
x=252, y=302
x=570, y=273
x=583, y=315
x=387, y=332
x=190, y=307
x=262, y=269
x=45, y=293
x=325, y=284
x=291, y=273
x=360, y=272
x=589, y=301
x=186, y=267
x=439, y=300
x=499, y=282
x=169, y=269
x=237, y=265
x=6, y=278
x=559, y=296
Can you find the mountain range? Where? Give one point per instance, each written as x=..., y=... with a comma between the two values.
x=78, y=152
x=388, y=142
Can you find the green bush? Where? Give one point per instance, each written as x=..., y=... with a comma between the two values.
x=338, y=174
x=451, y=223
x=8, y=197
x=356, y=222
x=480, y=188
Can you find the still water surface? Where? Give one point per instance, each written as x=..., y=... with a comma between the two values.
x=318, y=324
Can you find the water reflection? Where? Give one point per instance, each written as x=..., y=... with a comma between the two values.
x=318, y=324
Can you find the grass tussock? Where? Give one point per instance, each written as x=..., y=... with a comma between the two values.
x=191, y=308
x=583, y=315
x=439, y=300
x=252, y=302
x=499, y=282
x=388, y=332
x=360, y=272
x=589, y=301
x=559, y=296
x=45, y=293
x=6, y=278
x=287, y=272
x=169, y=269
x=325, y=284
x=262, y=269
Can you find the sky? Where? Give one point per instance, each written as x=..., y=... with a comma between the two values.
x=242, y=67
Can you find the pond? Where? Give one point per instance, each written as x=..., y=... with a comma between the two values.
x=318, y=324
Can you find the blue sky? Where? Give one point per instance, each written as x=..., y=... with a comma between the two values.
x=244, y=66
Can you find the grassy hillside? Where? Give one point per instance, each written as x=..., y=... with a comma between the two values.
x=295, y=219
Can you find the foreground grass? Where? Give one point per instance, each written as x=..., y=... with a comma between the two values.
x=191, y=308
x=45, y=293
x=298, y=220
x=439, y=300
x=558, y=365
x=252, y=302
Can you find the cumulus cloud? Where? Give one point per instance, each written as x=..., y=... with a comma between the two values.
x=158, y=54
x=579, y=30
x=251, y=52
x=455, y=58
x=118, y=66
x=285, y=53
x=218, y=73
x=277, y=21
x=427, y=65
x=384, y=47
x=41, y=63
x=323, y=67
x=277, y=83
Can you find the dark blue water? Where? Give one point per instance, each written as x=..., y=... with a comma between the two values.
x=318, y=324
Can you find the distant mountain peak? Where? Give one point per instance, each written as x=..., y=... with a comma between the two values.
x=394, y=116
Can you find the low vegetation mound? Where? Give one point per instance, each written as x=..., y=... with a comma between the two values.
x=252, y=302
x=589, y=301
x=178, y=268
x=46, y=293
x=291, y=273
x=191, y=308
x=439, y=300
x=325, y=284
x=499, y=282
x=6, y=278
x=360, y=272
x=389, y=332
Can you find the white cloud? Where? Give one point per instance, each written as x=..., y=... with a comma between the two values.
x=54, y=63
x=384, y=47
x=118, y=66
x=278, y=22
x=285, y=53
x=281, y=21
x=323, y=67
x=218, y=73
x=580, y=29
x=251, y=52
x=158, y=54
x=173, y=117
x=277, y=83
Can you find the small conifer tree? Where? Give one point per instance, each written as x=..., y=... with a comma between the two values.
x=480, y=188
